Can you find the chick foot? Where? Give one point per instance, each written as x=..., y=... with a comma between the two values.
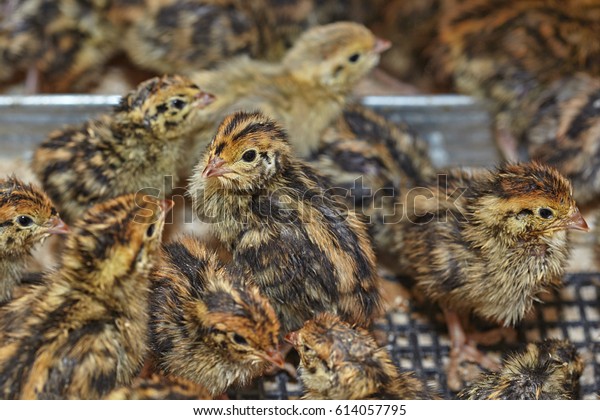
x=462, y=350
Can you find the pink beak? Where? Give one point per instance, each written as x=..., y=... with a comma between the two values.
x=204, y=99
x=381, y=45
x=216, y=167
x=577, y=222
x=274, y=357
x=166, y=205
x=57, y=226
x=292, y=338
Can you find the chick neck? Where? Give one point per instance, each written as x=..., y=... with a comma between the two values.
x=11, y=266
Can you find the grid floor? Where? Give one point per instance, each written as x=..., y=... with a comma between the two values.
x=418, y=342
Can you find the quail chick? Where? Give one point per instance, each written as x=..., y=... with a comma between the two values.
x=486, y=243
x=339, y=362
x=564, y=132
x=284, y=225
x=375, y=161
x=27, y=218
x=82, y=332
x=548, y=370
x=312, y=82
x=159, y=387
x=509, y=51
x=63, y=43
x=187, y=35
x=134, y=148
x=206, y=324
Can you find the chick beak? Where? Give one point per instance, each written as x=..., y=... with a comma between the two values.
x=166, y=205
x=57, y=226
x=292, y=338
x=273, y=356
x=216, y=167
x=577, y=222
x=203, y=99
x=381, y=45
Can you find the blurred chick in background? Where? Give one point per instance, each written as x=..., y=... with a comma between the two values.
x=487, y=243
x=306, y=92
x=208, y=325
x=82, y=331
x=285, y=227
x=548, y=370
x=134, y=148
x=27, y=218
x=179, y=36
x=339, y=362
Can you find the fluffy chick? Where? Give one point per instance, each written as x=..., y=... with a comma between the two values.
x=487, y=243
x=159, y=387
x=27, y=217
x=312, y=82
x=63, y=43
x=206, y=324
x=339, y=362
x=374, y=161
x=508, y=51
x=284, y=225
x=135, y=148
x=82, y=332
x=548, y=370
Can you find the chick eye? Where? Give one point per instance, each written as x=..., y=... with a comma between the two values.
x=178, y=103
x=150, y=231
x=546, y=213
x=249, y=156
x=354, y=58
x=238, y=339
x=25, y=221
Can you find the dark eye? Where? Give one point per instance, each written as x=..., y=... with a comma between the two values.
x=25, y=221
x=249, y=156
x=546, y=213
x=150, y=231
x=178, y=103
x=354, y=58
x=238, y=339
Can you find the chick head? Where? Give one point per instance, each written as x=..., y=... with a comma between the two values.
x=167, y=107
x=246, y=152
x=529, y=199
x=335, y=56
x=27, y=216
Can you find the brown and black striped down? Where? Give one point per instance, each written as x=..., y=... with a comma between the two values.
x=301, y=244
x=83, y=330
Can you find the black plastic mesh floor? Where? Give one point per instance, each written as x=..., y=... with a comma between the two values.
x=418, y=342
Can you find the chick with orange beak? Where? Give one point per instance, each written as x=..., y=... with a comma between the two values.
x=27, y=217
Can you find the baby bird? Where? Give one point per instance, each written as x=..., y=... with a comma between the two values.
x=206, y=324
x=130, y=150
x=298, y=241
x=312, y=82
x=508, y=51
x=159, y=387
x=62, y=43
x=27, y=217
x=339, y=362
x=82, y=332
x=548, y=370
x=487, y=243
